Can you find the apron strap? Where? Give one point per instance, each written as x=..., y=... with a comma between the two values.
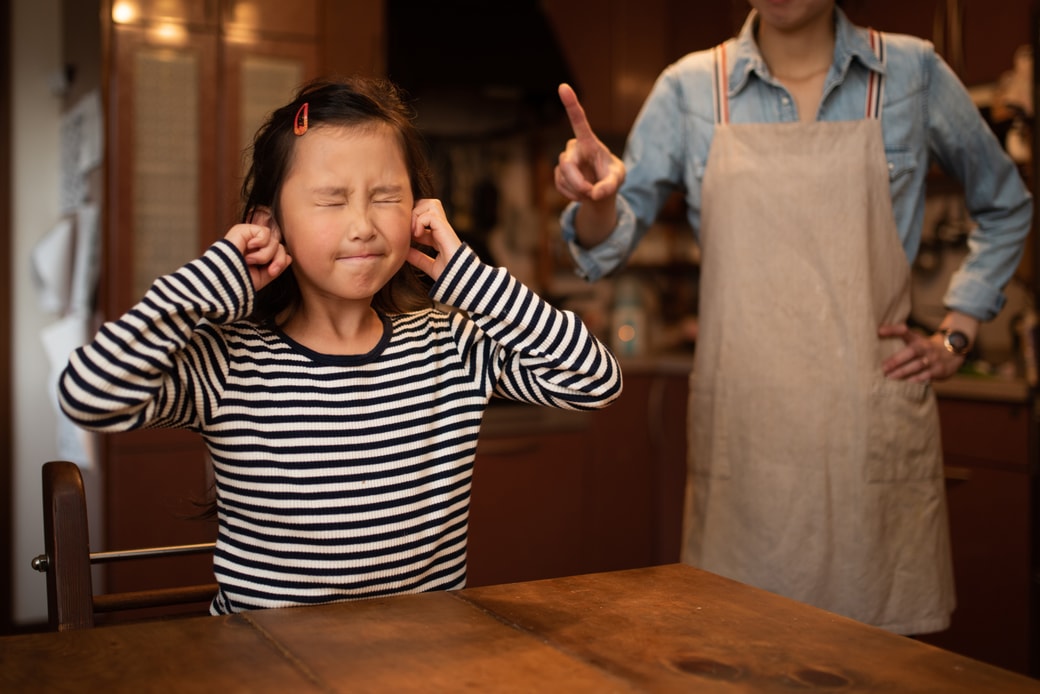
x=876, y=81
x=720, y=84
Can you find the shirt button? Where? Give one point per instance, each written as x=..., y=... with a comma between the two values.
x=786, y=101
x=891, y=166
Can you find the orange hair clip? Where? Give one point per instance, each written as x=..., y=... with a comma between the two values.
x=299, y=126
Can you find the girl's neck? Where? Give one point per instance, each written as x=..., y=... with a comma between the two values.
x=341, y=332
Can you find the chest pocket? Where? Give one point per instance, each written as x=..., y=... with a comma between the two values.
x=902, y=168
x=901, y=165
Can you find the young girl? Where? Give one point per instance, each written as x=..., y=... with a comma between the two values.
x=341, y=408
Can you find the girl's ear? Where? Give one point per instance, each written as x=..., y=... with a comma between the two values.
x=262, y=216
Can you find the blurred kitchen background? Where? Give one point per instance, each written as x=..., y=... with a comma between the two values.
x=126, y=123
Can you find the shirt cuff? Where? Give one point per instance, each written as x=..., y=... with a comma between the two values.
x=594, y=263
x=974, y=297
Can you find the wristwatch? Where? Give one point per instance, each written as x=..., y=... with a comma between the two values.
x=956, y=342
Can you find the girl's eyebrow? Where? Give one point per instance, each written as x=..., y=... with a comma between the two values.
x=329, y=190
x=390, y=188
x=341, y=191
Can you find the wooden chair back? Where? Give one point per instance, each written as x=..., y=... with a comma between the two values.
x=67, y=559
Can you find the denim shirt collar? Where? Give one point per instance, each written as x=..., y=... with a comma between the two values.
x=849, y=43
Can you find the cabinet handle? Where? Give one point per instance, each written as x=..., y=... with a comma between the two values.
x=957, y=472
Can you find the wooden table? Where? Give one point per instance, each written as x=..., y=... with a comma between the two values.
x=660, y=629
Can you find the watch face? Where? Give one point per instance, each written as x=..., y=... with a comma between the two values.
x=957, y=342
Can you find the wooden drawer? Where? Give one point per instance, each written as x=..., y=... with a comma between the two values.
x=989, y=433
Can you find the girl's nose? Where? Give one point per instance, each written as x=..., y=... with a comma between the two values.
x=359, y=225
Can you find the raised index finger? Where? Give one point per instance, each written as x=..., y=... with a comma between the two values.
x=575, y=113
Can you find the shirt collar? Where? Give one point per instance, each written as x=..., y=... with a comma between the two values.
x=850, y=43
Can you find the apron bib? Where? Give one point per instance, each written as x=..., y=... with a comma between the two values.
x=811, y=474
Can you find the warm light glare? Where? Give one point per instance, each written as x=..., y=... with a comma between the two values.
x=169, y=33
x=247, y=14
x=124, y=12
x=244, y=24
x=626, y=333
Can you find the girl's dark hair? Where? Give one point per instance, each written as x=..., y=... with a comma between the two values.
x=352, y=102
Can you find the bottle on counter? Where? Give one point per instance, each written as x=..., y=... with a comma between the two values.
x=629, y=335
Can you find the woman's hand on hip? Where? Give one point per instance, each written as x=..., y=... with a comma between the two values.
x=921, y=359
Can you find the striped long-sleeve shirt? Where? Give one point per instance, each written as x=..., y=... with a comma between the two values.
x=338, y=477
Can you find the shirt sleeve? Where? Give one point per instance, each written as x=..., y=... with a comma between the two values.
x=155, y=365
x=654, y=161
x=532, y=351
x=996, y=196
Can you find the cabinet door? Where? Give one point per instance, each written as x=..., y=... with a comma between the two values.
x=923, y=18
x=991, y=37
x=354, y=37
x=156, y=486
x=268, y=50
x=259, y=77
x=636, y=480
x=525, y=520
x=987, y=448
x=161, y=188
x=161, y=196
x=975, y=38
x=615, y=51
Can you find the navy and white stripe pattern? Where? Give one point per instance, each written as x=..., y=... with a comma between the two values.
x=338, y=477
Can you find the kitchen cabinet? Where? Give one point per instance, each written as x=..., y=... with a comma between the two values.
x=616, y=49
x=977, y=40
x=161, y=200
x=558, y=493
x=188, y=84
x=989, y=448
x=526, y=504
x=637, y=481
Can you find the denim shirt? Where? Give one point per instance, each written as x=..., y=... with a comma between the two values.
x=927, y=116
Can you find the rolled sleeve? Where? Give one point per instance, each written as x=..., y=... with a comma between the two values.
x=973, y=296
x=996, y=196
x=595, y=263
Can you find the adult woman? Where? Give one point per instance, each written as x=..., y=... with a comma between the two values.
x=802, y=147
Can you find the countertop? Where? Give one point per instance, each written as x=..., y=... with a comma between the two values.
x=964, y=386
x=505, y=418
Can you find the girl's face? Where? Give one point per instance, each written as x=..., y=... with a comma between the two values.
x=791, y=15
x=346, y=211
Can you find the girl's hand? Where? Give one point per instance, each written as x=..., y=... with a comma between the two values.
x=262, y=248
x=922, y=359
x=430, y=227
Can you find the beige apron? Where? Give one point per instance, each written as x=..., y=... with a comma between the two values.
x=811, y=474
